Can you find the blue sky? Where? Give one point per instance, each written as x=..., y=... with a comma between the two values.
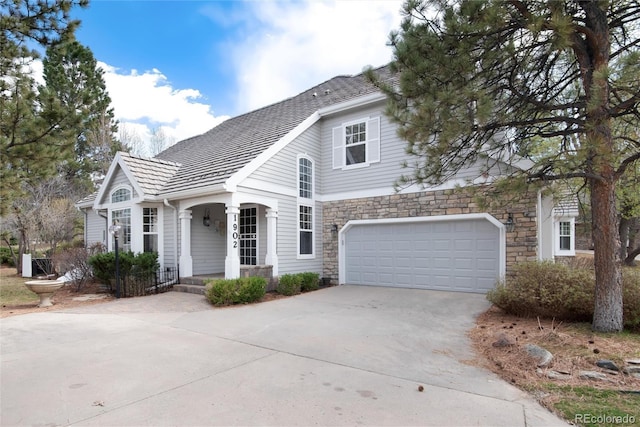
x=184, y=66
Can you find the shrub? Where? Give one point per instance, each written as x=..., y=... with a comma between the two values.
x=631, y=297
x=6, y=257
x=565, y=291
x=289, y=284
x=236, y=291
x=74, y=261
x=104, y=265
x=309, y=281
x=546, y=289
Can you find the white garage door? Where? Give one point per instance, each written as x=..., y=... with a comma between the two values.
x=454, y=255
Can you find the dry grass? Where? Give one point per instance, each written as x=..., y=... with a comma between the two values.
x=575, y=348
x=17, y=299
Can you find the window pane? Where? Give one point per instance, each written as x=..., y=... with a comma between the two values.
x=565, y=243
x=150, y=243
x=120, y=195
x=356, y=154
x=306, y=239
x=123, y=217
x=150, y=220
x=305, y=178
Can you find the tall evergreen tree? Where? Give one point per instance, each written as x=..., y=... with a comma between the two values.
x=493, y=78
x=72, y=74
x=33, y=132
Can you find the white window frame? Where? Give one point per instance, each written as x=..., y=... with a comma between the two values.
x=119, y=206
x=126, y=230
x=557, y=236
x=156, y=226
x=371, y=143
x=307, y=202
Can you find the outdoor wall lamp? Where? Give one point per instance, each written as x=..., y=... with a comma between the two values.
x=334, y=228
x=510, y=225
x=206, y=220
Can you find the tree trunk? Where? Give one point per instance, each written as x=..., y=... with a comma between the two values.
x=607, y=313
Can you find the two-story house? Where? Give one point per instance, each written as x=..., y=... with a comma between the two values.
x=307, y=184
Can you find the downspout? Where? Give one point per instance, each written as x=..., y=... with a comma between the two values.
x=539, y=225
x=106, y=228
x=175, y=232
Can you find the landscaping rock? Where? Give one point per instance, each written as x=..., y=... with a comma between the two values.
x=503, y=341
x=633, y=361
x=633, y=369
x=592, y=375
x=607, y=364
x=542, y=356
x=555, y=375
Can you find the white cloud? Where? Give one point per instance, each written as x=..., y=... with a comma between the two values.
x=147, y=101
x=298, y=45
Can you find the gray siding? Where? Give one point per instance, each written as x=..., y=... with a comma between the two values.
x=168, y=230
x=95, y=228
x=381, y=175
x=281, y=169
x=208, y=247
x=287, y=246
x=377, y=175
x=119, y=178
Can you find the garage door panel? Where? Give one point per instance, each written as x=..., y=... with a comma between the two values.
x=460, y=255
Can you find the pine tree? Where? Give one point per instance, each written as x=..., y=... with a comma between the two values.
x=490, y=79
x=33, y=135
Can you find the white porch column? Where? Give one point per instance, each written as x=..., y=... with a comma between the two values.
x=186, y=262
x=271, y=257
x=232, y=261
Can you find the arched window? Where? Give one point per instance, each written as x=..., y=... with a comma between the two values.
x=305, y=207
x=121, y=195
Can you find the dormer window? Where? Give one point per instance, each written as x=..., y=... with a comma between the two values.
x=121, y=195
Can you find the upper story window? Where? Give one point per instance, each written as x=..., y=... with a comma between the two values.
x=121, y=195
x=305, y=178
x=356, y=144
x=305, y=208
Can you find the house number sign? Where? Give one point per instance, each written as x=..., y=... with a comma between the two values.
x=235, y=231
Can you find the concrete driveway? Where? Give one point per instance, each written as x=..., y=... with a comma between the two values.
x=346, y=355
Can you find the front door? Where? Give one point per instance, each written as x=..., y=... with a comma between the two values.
x=248, y=236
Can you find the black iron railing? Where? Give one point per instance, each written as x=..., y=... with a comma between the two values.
x=146, y=283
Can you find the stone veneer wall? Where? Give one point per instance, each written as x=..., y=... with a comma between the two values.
x=521, y=243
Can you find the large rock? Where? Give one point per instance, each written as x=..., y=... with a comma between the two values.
x=607, y=364
x=592, y=375
x=541, y=355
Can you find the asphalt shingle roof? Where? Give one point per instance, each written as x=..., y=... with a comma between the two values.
x=211, y=158
x=151, y=174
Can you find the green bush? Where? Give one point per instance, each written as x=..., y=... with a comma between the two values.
x=236, y=291
x=5, y=257
x=104, y=265
x=309, y=281
x=561, y=291
x=289, y=284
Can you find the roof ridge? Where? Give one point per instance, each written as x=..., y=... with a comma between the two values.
x=150, y=159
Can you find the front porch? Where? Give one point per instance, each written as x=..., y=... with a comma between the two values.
x=196, y=284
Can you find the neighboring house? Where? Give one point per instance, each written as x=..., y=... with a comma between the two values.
x=307, y=184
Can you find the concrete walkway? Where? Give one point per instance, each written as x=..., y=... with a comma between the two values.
x=340, y=356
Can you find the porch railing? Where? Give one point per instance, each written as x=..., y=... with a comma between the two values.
x=146, y=283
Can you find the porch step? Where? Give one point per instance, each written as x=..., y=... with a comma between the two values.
x=192, y=289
